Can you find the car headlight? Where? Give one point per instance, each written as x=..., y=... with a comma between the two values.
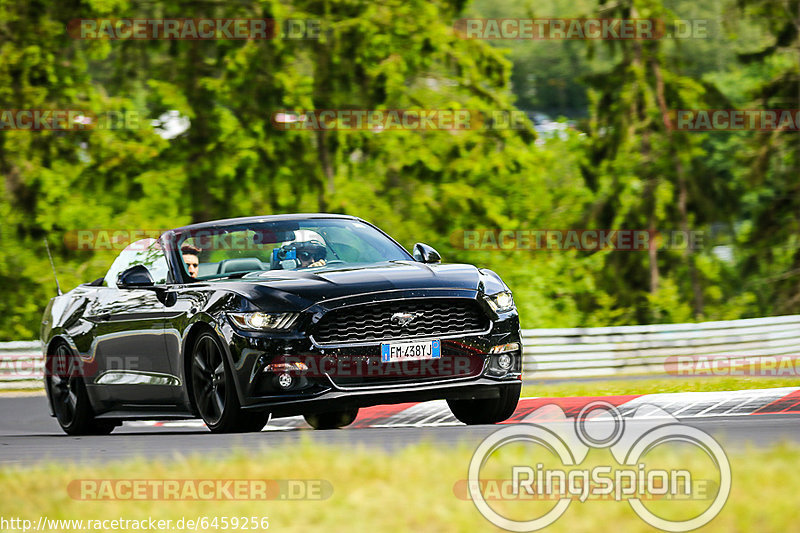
x=264, y=321
x=501, y=302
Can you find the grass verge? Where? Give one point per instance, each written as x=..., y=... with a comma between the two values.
x=409, y=490
x=8, y=393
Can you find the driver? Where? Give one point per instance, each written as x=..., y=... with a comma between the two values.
x=308, y=249
x=310, y=254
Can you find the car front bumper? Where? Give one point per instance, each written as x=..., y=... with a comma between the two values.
x=338, y=400
x=324, y=387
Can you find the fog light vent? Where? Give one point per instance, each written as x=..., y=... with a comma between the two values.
x=502, y=348
x=285, y=367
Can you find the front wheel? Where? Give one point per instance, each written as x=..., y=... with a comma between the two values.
x=332, y=420
x=214, y=392
x=487, y=411
x=68, y=395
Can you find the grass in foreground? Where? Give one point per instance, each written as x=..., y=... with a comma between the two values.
x=614, y=387
x=409, y=490
x=33, y=391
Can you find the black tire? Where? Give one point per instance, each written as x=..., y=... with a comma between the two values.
x=214, y=393
x=68, y=396
x=487, y=411
x=332, y=420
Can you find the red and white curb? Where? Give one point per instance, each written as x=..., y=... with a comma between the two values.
x=682, y=405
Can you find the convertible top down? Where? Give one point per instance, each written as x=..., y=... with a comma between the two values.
x=237, y=320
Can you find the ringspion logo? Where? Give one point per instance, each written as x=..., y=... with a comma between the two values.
x=633, y=479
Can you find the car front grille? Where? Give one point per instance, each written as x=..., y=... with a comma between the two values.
x=374, y=322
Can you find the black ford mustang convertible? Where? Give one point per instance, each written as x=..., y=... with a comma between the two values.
x=235, y=321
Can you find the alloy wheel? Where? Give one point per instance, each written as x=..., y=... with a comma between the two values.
x=208, y=379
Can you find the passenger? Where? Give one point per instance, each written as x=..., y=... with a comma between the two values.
x=191, y=256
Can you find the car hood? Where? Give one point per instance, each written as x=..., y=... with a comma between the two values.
x=274, y=290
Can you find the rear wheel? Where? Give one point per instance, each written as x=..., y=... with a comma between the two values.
x=487, y=411
x=332, y=420
x=214, y=392
x=68, y=395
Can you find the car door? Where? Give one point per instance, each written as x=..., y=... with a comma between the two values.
x=129, y=347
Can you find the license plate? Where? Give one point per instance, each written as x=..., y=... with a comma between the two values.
x=410, y=351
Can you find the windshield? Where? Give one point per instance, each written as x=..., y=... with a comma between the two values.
x=145, y=252
x=226, y=250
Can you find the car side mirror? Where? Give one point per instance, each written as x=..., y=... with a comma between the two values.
x=135, y=277
x=426, y=254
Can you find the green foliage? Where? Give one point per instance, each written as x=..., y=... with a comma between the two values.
x=625, y=170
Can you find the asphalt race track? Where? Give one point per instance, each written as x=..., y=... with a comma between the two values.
x=29, y=435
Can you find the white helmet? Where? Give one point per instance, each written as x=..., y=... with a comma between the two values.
x=306, y=235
